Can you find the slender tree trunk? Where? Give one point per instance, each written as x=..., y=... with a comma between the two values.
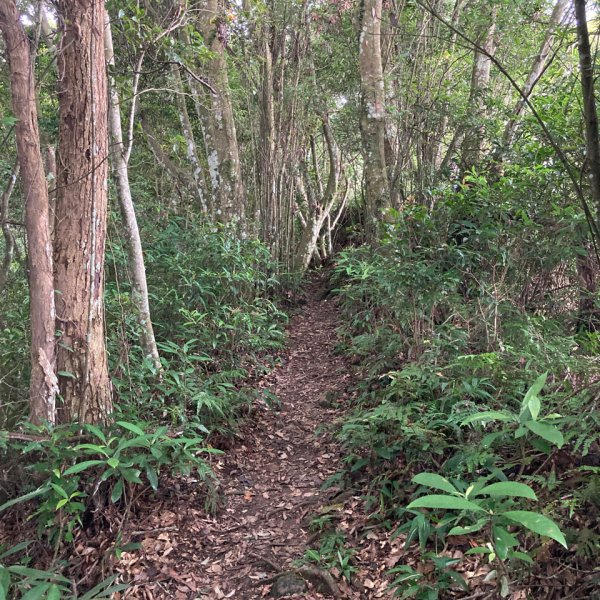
x=372, y=118
x=219, y=129
x=51, y=177
x=480, y=80
x=132, y=232
x=9, y=238
x=43, y=386
x=318, y=209
x=190, y=142
x=537, y=69
x=442, y=147
x=81, y=212
x=589, y=316
x=266, y=148
x=590, y=113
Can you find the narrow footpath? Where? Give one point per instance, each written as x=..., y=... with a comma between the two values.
x=272, y=484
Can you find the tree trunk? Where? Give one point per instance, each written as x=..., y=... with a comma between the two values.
x=190, y=142
x=81, y=211
x=9, y=238
x=372, y=118
x=480, y=80
x=43, y=386
x=589, y=315
x=590, y=115
x=537, y=69
x=219, y=127
x=318, y=209
x=133, y=241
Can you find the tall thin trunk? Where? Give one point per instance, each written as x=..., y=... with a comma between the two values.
x=131, y=230
x=266, y=147
x=43, y=386
x=440, y=152
x=219, y=130
x=372, y=117
x=81, y=212
x=51, y=177
x=318, y=208
x=472, y=145
x=589, y=316
x=590, y=114
x=190, y=142
x=537, y=69
x=9, y=238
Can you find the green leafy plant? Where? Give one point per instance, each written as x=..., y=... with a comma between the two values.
x=105, y=468
x=18, y=580
x=411, y=583
x=487, y=509
x=528, y=421
x=333, y=553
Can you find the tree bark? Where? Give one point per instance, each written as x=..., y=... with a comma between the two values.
x=372, y=118
x=590, y=114
x=537, y=69
x=219, y=127
x=318, y=209
x=9, y=238
x=133, y=241
x=43, y=387
x=190, y=142
x=480, y=80
x=81, y=211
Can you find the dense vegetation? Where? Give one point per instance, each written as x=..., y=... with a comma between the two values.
x=438, y=160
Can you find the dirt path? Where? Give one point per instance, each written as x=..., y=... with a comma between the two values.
x=272, y=483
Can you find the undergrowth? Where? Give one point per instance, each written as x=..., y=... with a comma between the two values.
x=474, y=425
x=218, y=326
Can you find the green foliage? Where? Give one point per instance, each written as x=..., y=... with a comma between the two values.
x=76, y=472
x=212, y=298
x=472, y=371
x=412, y=583
x=17, y=580
x=333, y=552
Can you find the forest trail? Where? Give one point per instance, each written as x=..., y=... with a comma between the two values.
x=271, y=480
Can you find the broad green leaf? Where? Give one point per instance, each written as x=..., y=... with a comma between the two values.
x=117, y=491
x=24, y=498
x=131, y=427
x=469, y=528
x=96, y=431
x=59, y=491
x=36, y=592
x=531, y=402
x=488, y=415
x=548, y=432
x=14, y=549
x=37, y=574
x=534, y=407
x=508, y=488
x=61, y=503
x=93, y=448
x=113, y=462
x=537, y=523
x=535, y=389
x=82, y=466
x=446, y=502
x=53, y=593
x=4, y=582
x=152, y=476
x=433, y=480
x=520, y=556
x=503, y=541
